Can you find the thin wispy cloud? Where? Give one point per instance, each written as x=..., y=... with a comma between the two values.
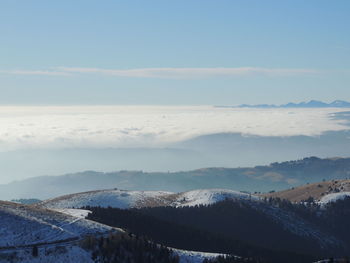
x=167, y=73
x=35, y=72
x=189, y=72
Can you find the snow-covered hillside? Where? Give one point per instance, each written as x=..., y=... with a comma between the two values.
x=24, y=225
x=127, y=199
x=70, y=253
x=75, y=254
x=104, y=198
x=187, y=256
x=209, y=196
x=135, y=199
x=56, y=235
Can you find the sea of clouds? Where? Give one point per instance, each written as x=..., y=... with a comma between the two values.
x=151, y=126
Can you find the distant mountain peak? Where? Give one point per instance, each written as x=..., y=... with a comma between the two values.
x=309, y=104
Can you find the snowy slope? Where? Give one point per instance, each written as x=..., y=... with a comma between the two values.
x=104, y=198
x=209, y=196
x=80, y=213
x=75, y=254
x=187, y=256
x=67, y=254
x=333, y=197
x=22, y=225
x=56, y=234
x=127, y=199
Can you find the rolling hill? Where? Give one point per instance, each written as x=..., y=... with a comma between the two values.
x=137, y=199
x=316, y=191
x=122, y=199
x=58, y=225
x=23, y=225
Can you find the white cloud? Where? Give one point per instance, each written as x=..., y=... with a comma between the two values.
x=189, y=72
x=172, y=73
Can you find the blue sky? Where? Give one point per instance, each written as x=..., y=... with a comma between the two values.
x=173, y=52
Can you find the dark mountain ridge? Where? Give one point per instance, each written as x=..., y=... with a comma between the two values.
x=276, y=176
x=268, y=229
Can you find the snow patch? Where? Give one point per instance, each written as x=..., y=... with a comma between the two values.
x=79, y=213
x=187, y=256
x=333, y=197
x=210, y=196
x=67, y=254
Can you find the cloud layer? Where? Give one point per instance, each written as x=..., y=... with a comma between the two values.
x=150, y=126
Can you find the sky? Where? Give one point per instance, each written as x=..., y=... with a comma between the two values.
x=184, y=52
